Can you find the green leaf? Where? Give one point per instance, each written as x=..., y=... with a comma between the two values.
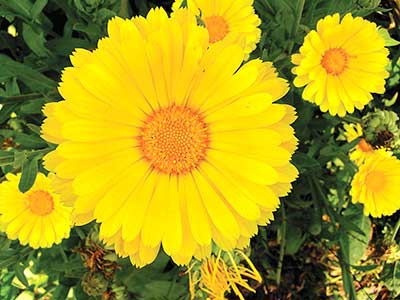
x=20, y=8
x=37, y=8
x=19, y=273
x=28, y=177
x=357, y=240
x=5, y=112
x=389, y=41
x=30, y=141
x=6, y=158
x=35, y=80
x=35, y=40
x=61, y=292
x=391, y=277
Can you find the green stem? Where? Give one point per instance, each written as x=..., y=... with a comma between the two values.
x=299, y=13
x=124, y=9
x=283, y=245
x=396, y=230
x=20, y=98
x=351, y=119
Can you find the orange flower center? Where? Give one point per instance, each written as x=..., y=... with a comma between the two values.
x=364, y=146
x=335, y=61
x=217, y=28
x=40, y=202
x=375, y=181
x=174, y=139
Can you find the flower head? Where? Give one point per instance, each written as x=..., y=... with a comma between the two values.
x=36, y=217
x=227, y=20
x=363, y=148
x=220, y=274
x=168, y=141
x=341, y=64
x=377, y=184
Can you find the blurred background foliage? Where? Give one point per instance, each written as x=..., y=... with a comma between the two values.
x=320, y=246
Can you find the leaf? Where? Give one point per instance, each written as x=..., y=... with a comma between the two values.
x=35, y=80
x=61, y=292
x=389, y=41
x=28, y=177
x=30, y=141
x=6, y=158
x=5, y=112
x=19, y=273
x=20, y=8
x=391, y=277
x=37, y=8
x=357, y=240
x=35, y=40
x=365, y=268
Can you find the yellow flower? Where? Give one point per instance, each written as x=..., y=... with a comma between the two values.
x=377, y=184
x=353, y=131
x=230, y=20
x=217, y=276
x=359, y=153
x=167, y=141
x=36, y=217
x=341, y=64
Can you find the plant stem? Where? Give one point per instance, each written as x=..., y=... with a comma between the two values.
x=351, y=119
x=396, y=230
x=124, y=9
x=299, y=13
x=283, y=245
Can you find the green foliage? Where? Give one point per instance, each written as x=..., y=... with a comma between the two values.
x=317, y=217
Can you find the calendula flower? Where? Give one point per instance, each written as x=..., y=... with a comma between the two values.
x=363, y=148
x=36, y=217
x=167, y=140
x=377, y=185
x=235, y=21
x=341, y=64
x=218, y=275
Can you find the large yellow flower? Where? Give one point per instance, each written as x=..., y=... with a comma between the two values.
x=168, y=141
x=377, y=184
x=36, y=217
x=230, y=20
x=341, y=64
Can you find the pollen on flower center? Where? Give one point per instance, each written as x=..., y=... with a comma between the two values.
x=375, y=181
x=217, y=28
x=40, y=202
x=174, y=139
x=335, y=61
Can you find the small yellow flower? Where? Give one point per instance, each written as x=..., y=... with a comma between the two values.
x=36, y=217
x=341, y=64
x=377, y=184
x=217, y=276
x=227, y=20
x=363, y=148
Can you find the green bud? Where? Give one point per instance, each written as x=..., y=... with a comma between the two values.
x=381, y=129
x=94, y=284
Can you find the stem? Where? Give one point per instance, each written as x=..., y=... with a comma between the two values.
x=299, y=13
x=20, y=98
x=351, y=119
x=396, y=230
x=124, y=9
x=283, y=245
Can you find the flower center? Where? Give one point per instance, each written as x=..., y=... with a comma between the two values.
x=217, y=28
x=375, y=181
x=174, y=139
x=335, y=61
x=40, y=202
